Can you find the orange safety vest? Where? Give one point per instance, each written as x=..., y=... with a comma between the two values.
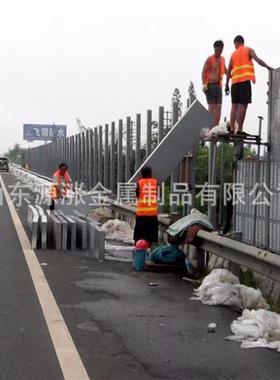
x=54, y=193
x=147, y=204
x=212, y=59
x=242, y=66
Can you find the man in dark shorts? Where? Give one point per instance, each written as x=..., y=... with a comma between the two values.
x=146, y=225
x=241, y=72
x=212, y=76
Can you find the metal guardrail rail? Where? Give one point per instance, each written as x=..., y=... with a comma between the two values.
x=256, y=259
x=264, y=262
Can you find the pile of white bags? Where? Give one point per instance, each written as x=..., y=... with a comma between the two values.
x=221, y=287
x=257, y=328
x=116, y=229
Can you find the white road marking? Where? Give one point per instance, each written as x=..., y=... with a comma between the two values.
x=66, y=351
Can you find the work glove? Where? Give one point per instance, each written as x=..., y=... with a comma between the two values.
x=227, y=89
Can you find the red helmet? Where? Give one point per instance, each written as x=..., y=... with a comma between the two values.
x=142, y=244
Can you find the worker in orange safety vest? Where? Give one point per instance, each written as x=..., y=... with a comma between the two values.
x=61, y=184
x=241, y=72
x=146, y=225
x=212, y=80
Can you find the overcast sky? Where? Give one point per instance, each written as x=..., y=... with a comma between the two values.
x=105, y=60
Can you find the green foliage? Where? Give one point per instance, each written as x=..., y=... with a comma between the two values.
x=16, y=155
x=247, y=278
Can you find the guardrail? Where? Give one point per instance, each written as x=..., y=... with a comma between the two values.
x=256, y=259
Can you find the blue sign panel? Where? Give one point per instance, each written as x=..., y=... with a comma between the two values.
x=43, y=132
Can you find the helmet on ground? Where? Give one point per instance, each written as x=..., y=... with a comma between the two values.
x=142, y=244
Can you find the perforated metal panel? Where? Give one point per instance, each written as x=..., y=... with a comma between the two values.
x=267, y=222
x=275, y=115
x=245, y=213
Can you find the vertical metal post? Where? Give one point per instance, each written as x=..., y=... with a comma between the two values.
x=86, y=169
x=257, y=179
x=83, y=161
x=112, y=159
x=268, y=163
x=149, y=133
x=90, y=159
x=160, y=123
x=95, y=172
x=128, y=150
x=106, y=157
x=75, y=141
x=221, y=186
x=79, y=157
x=174, y=175
x=120, y=158
x=212, y=179
x=138, y=141
x=100, y=155
x=72, y=157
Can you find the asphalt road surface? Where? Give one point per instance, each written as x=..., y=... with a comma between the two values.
x=122, y=328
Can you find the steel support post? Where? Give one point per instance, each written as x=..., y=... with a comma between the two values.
x=160, y=123
x=112, y=159
x=100, y=155
x=90, y=159
x=95, y=170
x=106, y=157
x=149, y=133
x=128, y=149
x=138, y=141
x=120, y=148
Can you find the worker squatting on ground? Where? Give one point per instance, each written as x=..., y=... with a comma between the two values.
x=61, y=185
x=212, y=80
x=241, y=72
x=146, y=225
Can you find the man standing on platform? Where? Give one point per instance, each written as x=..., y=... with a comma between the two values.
x=212, y=80
x=241, y=72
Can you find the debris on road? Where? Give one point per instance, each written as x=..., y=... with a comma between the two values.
x=116, y=229
x=153, y=284
x=221, y=287
x=211, y=327
x=257, y=328
x=101, y=214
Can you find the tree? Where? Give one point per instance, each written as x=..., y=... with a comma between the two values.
x=192, y=94
x=176, y=98
x=16, y=154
